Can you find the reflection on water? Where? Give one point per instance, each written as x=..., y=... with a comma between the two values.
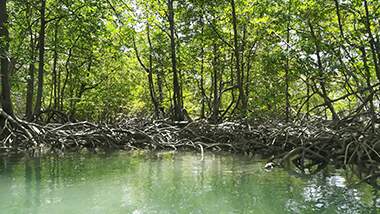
x=167, y=183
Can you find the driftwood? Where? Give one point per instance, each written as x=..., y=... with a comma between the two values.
x=309, y=145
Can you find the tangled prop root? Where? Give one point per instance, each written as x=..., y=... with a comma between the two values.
x=309, y=145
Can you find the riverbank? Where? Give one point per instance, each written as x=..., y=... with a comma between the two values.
x=309, y=145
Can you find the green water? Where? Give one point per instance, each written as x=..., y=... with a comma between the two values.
x=181, y=183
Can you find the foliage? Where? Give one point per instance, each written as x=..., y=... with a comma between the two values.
x=304, y=55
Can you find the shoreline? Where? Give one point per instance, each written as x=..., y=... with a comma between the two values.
x=307, y=145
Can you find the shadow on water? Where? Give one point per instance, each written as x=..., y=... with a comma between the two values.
x=173, y=183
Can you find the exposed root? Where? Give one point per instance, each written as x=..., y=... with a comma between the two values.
x=307, y=144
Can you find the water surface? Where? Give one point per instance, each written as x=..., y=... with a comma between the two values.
x=167, y=183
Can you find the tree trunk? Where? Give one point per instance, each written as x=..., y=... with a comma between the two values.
x=30, y=90
x=368, y=81
x=203, y=92
x=149, y=71
x=216, y=95
x=160, y=100
x=41, y=63
x=241, y=96
x=178, y=116
x=150, y=76
x=324, y=93
x=67, y=75
x=54, y=72
x=30, y=81
x=6, y=101
x=308, y=95
x=372, y=41
x=287, y=94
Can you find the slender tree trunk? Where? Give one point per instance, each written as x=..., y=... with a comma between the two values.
x=58, y=98
x=159, y=76
x=67, y=75
x=54, y=72
x=149, y=71
x=244, y=100
x=250, y=59
x=203, y=92
x=160, y=80
x=308, y=95
x=337, y=10
x=216, y=95
x=72, y=96
x=287, y=94
x=6, y=102
x=180, y=74
x=322, y=84
x=241, y=96
x=248, y=80
x=372, y=41
x=176, y=88
x=65, y=81
x=30, y=82
x=30, y=91
x=346, y=51
x=232, y=74
x=368, y=81
x=150, y=76
x=41, y=63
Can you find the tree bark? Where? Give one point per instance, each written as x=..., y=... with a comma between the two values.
x=216, y=95
x=54, y=71
x=41, y=62
x=30, y=88
x=30, y=81
x=178, y=116
x=62, y=91
x=6, y=101
x=372, y=41
x=149, y=71
x=203, y=92
x=153, y=96
x=324, y=93
x=371, y=91
x=241, y=97
x=160, y=100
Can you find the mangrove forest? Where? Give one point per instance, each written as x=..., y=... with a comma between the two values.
x=190, y=106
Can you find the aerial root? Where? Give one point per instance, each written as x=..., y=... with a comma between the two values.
x=304, y=143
